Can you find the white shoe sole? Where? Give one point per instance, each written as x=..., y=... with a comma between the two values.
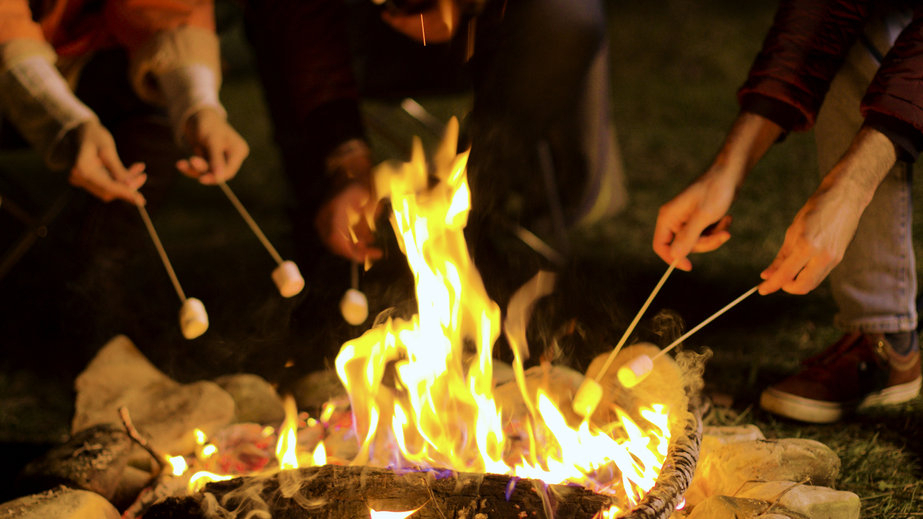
x=818, y=411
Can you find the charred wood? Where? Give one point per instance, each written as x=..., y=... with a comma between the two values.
x=344, y=492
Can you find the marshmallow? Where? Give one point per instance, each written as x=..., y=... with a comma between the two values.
x=193, y=320
x=288, y=279
x=587, y=398
x=635, y=371
x=354, y=307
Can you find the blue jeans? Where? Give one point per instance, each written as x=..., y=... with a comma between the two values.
x=875, y=285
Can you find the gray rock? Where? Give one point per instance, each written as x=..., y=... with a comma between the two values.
x=724, y=507
x=732, y=433
x=162, y=409
x=813, y=501
x=255, y=400
x=724, y=470
x=315, y=389
x=60, y=503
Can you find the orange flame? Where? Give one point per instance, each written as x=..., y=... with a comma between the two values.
x=440, y=409
x=286, y=445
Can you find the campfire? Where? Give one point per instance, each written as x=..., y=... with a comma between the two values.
x=430, y=425
x=421, y=390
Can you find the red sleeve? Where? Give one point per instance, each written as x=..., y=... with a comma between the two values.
x=893, y=103
x=804, y=49
x=134, y=22
x=16, y=21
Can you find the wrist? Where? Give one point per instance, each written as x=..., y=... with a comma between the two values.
x=864, y=166
x=38, y=101
x=349, y=163
x=188, y=90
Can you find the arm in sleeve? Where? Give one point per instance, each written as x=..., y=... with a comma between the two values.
x=893, y=103
x=802, y=52
x=174, y=53
x=34, y=96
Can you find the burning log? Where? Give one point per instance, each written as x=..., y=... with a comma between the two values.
x=342, y=492
x=333, y=491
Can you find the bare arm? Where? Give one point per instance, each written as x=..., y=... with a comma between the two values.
x=696, y=220
x=818, y=236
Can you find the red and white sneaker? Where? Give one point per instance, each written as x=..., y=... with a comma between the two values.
x=859, y=370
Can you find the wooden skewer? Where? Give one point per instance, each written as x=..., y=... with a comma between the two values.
x=354, y=276
x=286, y=275
x=640, y=367
x=163, y=253
x=251, y=222
x=193, y=318
x=634, y=322
x=714, y=316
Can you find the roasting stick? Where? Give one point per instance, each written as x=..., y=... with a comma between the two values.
x=286, y=275
x=590, y=391
x=640, y=367
x=354, y=306
x=193, y=319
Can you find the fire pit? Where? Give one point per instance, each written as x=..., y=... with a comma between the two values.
x=340, y=492
x=431, y=425
x=429, y=428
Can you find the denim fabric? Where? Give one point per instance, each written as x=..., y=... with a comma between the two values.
x=874, y=287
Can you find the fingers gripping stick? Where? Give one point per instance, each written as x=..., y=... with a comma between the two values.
x=286, y=275
x=193, y=319
x=640, y=367
x=590, y=391
x=354, y=306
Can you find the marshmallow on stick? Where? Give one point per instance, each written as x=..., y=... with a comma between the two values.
x=640, y=367
x=193, y=320
x=354, y=306
x=286, y=275
x=590, y=391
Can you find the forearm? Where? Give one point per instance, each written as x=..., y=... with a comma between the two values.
x=40, y=104
x=186, y=90
x=863, y=167
x=749, y=138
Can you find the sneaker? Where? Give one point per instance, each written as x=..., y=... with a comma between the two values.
x=860, y=370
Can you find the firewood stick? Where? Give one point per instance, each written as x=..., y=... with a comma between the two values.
x=163, y=253
x=251, y=222
x=134, y=434
x=163, y=482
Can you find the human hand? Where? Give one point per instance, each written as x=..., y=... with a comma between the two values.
x=815, y=241
x=342, y=224
x=219, y=149
x=696, y=220
x=99, y=170
x=435, y=24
